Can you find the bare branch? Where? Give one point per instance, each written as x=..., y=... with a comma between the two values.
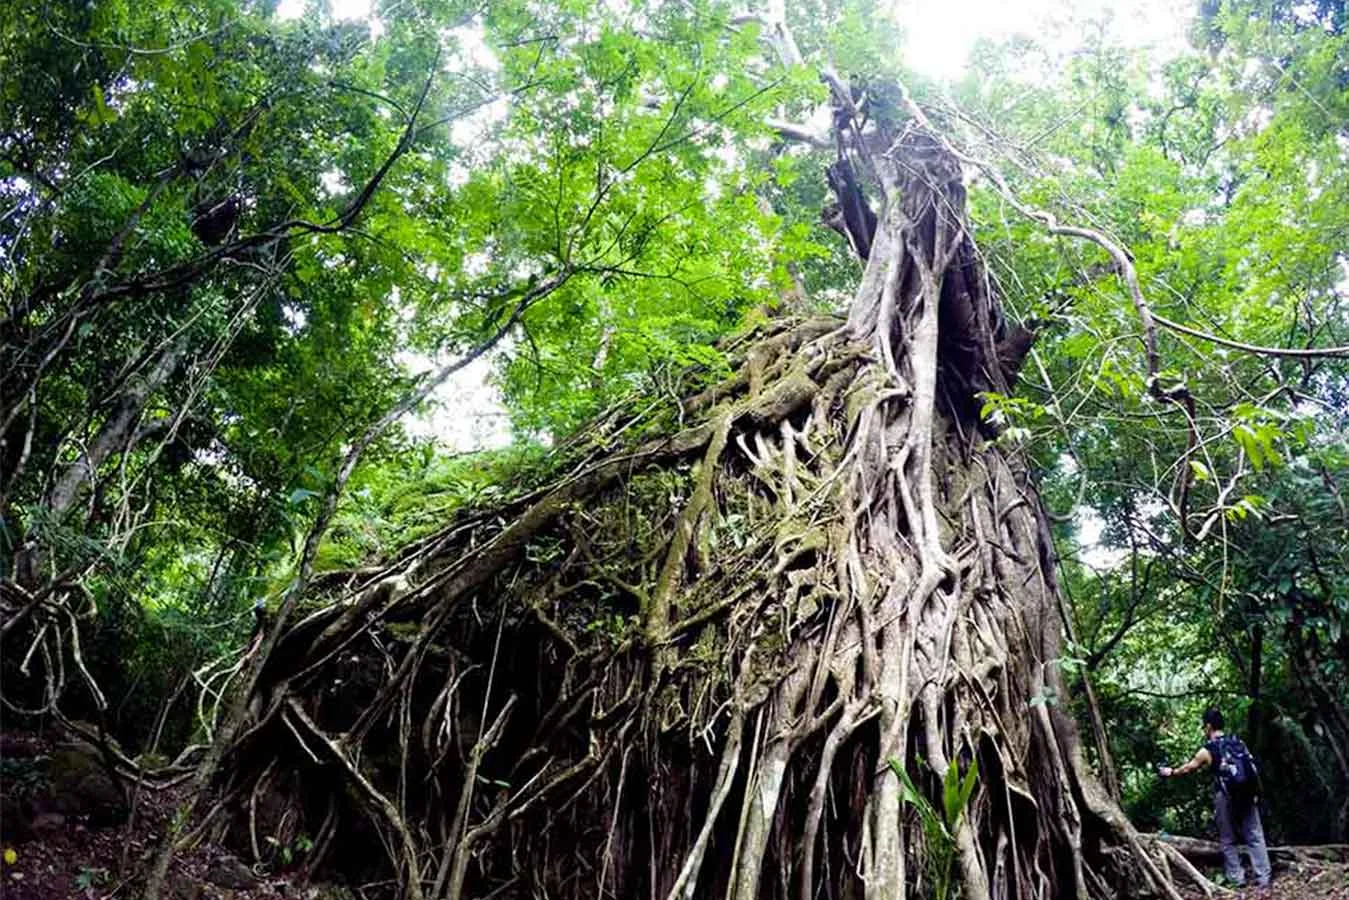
x=1291, y=352
x=801, y=133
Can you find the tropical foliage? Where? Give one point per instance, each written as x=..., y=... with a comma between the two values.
x=248, y=260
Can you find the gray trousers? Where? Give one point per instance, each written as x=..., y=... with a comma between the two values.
x=1244, y=829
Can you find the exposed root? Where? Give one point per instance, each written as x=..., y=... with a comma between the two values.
x=683, y=669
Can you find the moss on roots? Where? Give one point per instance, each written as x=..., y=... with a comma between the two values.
x=682, y=669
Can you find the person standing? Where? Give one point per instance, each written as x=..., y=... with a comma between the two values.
x=1235, y=795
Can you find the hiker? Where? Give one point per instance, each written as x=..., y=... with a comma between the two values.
x=1235, y=791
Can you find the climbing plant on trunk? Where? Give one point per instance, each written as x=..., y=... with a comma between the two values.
x=697, y=662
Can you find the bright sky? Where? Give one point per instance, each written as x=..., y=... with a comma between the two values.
x=940, y=33
x=341, y=9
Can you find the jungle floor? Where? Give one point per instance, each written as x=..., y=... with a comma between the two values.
x=63, y=844
x=1330, y=882
x=64, y=847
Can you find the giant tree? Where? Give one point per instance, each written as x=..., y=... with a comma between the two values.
x=795, y=630
x=784, y=622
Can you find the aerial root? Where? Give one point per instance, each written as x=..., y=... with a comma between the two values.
x=796, y=618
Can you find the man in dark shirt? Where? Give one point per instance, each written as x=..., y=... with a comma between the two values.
x=1235, y=816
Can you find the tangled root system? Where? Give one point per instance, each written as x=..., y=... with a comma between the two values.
x=685, y=667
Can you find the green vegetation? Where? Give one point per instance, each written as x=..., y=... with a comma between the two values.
x=939, y=827
x=248, y=263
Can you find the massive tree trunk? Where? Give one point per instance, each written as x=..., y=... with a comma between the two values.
x=684, y=668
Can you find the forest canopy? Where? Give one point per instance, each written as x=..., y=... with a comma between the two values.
x=680, y=344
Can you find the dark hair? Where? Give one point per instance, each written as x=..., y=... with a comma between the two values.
x=1213, y=718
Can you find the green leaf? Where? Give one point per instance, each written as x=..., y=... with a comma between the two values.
x=910, y=796
x=300, y=495
x=968, y=783
x=101, y=114
x=951, y=794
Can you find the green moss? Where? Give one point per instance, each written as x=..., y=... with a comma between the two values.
x=404, y=631
x=858, y=399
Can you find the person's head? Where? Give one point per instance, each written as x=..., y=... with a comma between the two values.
x=1213, y=721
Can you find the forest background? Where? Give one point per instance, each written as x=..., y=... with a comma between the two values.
x=261, y=267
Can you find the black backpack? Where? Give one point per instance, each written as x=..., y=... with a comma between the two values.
x=1238, y=774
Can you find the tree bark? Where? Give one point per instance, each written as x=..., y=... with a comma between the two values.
x=830, y=569
x=1210, y=852
x=117, y=435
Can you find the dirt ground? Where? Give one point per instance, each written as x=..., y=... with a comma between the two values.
x=83, y=862
x=65, y=849
x=74, y=859
x=58, y=840
x=1330, y=884
x=1303, y=883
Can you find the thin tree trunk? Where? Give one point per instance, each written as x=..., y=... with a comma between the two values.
x=117, y=435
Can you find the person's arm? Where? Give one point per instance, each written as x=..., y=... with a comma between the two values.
x=1201, y=759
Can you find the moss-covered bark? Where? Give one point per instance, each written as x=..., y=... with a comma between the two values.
x=683, y=669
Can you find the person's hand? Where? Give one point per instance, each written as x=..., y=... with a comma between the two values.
x=1165, y=771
